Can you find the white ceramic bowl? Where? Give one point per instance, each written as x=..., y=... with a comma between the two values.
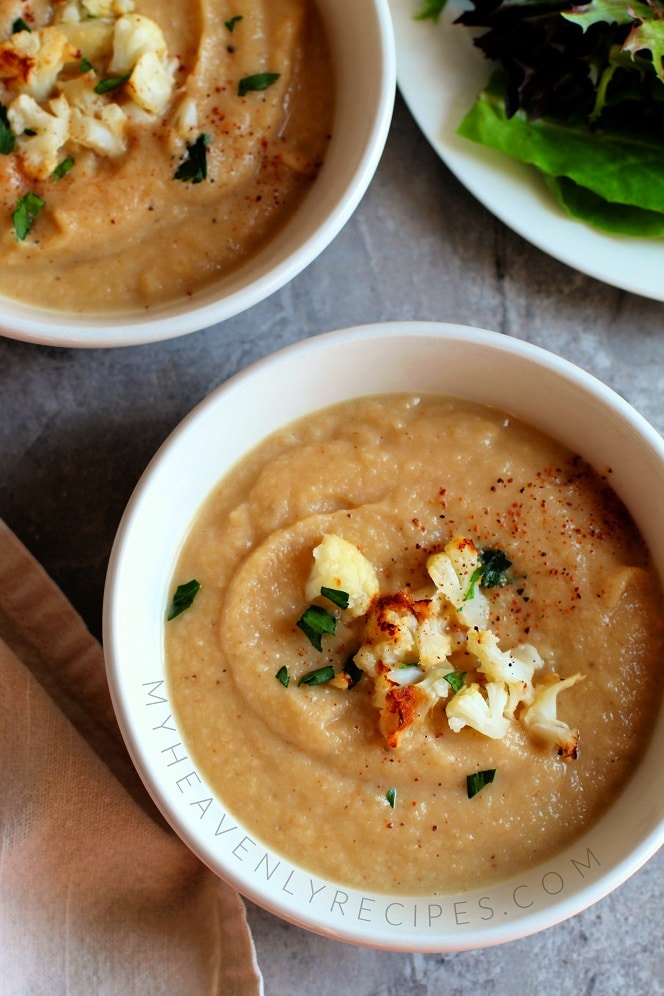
x=362, y=44
x=534, y=385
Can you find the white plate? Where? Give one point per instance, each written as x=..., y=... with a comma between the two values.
x=440, y=72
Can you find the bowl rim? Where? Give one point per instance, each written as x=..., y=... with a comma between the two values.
x=450, y=939
x=28, y=323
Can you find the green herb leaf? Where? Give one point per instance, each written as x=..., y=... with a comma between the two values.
x=20, y=25
x=490, y=573
x=85, y=65
x=474, y=578
x=431, y=10
x=283, y=676
x=476, y=782
x=259, y=81
x=340, y=598
x=230, y=24
x=319, y=676
x=495, y=563
x=183, y=598
x=315, y=622
x=7, y=137
x=391, y=796
x=111, y=83
x=194, y=167
x=25, y=213
x=455, y=679
x=62, y=168
x=352, y=672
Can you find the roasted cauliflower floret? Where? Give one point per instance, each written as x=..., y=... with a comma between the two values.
x=93, y=38
x=406, y=651
x=104, y=133
x=339, y=564
x=470, y=707
x=434, y=643
x=452, y=572
x=518, y=664
x=151, y=83
x=435, y=684
x=106, y=8
x=390, y=637
x=133, y=36
x=401, y=631
x=67, y=13
x=95, y=123
x=541, y=721
x=90, y=10
x=32, y=60
x=115, y=42
x=184, y=120
x=399, y=706
x=48, y=132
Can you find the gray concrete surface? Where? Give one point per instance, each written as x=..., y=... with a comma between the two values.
x=77, y=427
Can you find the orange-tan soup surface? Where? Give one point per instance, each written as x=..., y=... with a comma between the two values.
x=316, y=771
x=107, y=101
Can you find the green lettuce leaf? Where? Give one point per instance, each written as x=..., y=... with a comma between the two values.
x=648, y=36
x=619, y=219
x=608, y=11
x=622, y=169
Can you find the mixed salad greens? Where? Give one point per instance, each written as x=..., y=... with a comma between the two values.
x=578, y=92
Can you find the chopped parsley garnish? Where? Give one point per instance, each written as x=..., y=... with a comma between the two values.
x=25, y=213
x=352, y=672
x=455, y=679
x=194, y=167
x=431, y=10
x=283, y=676
x=111, y=83
x=85, y=65
x=391, y=796
x=7, y=138
x=259, y=81
x=319, y=676
x=62, y=168
x=476, y=782
x=495, y=564
x=20, y=25
x=491, y=571
x=315, y=622
x=231, y=22
x=183, y=598
x=340, y=598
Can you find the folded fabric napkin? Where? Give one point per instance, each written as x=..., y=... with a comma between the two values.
x=97, y=895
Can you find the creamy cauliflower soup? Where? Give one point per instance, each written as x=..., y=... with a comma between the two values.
x=148, y=147
x=416, y=646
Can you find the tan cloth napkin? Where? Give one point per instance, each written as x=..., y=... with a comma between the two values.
x=97, y=896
